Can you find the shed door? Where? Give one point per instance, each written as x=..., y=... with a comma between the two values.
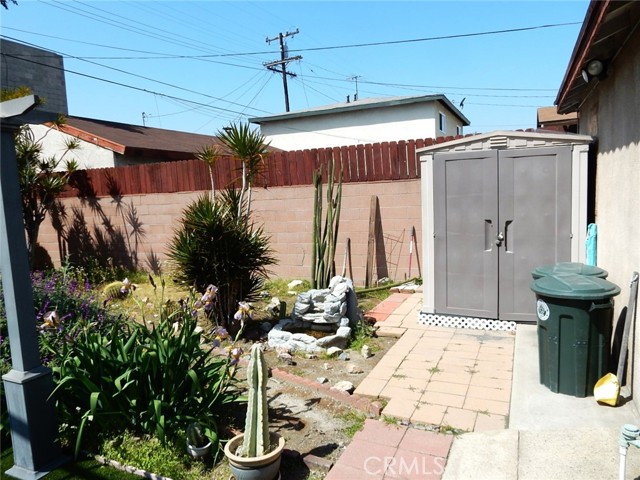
x=498, y=215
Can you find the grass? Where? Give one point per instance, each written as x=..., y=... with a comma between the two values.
x=354, y=422
x=88, y=469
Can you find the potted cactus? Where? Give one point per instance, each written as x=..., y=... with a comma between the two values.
x=256, y=453
x=198, y=444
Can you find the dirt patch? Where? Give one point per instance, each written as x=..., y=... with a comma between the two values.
x=317, y=427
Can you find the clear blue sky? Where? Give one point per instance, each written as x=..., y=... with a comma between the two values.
x=502, y=77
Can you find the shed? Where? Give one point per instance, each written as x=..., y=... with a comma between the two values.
x=494, y=207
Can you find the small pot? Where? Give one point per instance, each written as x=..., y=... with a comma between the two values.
x=197, y=452
x=265, y=467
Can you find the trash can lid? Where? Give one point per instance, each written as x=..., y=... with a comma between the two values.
x=569, y=267
x=576, y=287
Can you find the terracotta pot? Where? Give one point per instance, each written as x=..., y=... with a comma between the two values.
x=265, y=467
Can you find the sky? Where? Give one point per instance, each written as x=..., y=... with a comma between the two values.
x=198, y=66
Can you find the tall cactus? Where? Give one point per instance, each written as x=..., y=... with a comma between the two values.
x=256, y=435
x=324, y=240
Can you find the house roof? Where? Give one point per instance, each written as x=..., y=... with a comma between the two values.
x=550, y=115
x=605, y=30
x=136, y=140
x=364, y=104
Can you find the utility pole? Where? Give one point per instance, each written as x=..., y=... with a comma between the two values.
x=283, y=63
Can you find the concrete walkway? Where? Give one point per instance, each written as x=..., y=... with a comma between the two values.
x=484, y=383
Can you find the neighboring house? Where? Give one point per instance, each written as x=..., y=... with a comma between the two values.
x=602, y=84
x=40, y=70
x=110, y=144
x=364, y=121
x=550, y=119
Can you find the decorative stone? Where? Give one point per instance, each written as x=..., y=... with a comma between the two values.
x=303, y=337
x=354, y=369
x=344, y=322
x=344, y=356
x=279, y=335
x=344, y=386
x=333, y=351
x=365, y=351
x=286, y=358
x=332, y=341
x=344, y=332
x=293, y=284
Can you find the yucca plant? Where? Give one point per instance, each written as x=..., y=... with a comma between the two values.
x=251, y=148
x=213, y=245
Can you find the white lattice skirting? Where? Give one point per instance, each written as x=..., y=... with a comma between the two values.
x=435, y=320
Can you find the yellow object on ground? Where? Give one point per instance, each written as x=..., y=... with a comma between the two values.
x=607, y=390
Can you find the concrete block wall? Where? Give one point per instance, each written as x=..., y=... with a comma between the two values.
x=287, y=216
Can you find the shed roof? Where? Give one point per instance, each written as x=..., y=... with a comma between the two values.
x=605, y=30
x=365, y=104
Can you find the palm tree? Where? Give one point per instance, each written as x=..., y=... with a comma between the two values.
x=250, y=147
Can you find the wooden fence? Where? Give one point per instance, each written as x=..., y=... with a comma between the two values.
x=359, y=163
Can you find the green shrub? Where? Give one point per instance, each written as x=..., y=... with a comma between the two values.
x=151, y=381
x=215, y=244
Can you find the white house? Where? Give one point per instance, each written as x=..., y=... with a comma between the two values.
x=364, y=121
x=104, y=144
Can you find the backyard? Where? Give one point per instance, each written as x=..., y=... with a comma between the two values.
x=316, y=422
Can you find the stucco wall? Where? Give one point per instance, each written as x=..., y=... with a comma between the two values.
x=87, y=154
x=401, y=122
x=287, y=215
x=611, y=114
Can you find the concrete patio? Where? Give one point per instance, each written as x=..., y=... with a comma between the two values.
x=482, y=386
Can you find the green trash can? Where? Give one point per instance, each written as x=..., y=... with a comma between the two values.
x=575, y=314
x=568, y=268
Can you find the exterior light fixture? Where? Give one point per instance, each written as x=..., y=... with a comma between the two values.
x=593, y=68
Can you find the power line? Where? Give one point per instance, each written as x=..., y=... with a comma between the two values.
x=124, y=85
x=356, y=45
x=140, y=76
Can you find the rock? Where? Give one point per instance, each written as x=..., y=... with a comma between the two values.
x=311, y=356
x=266, y=327
x=332, y=341
x=280, y=335
x=303, y=337
x=333, y=351
x=293, y=284
x=286, y=358
x=365, y=351
x=322, y=379
x=283, y=349
x=344, y=356
x=326, y=366
x=344, y=332
x=353, y=369
x=344, y=322
x=344, y=386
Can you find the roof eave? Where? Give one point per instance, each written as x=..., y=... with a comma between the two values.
x=355, y=106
